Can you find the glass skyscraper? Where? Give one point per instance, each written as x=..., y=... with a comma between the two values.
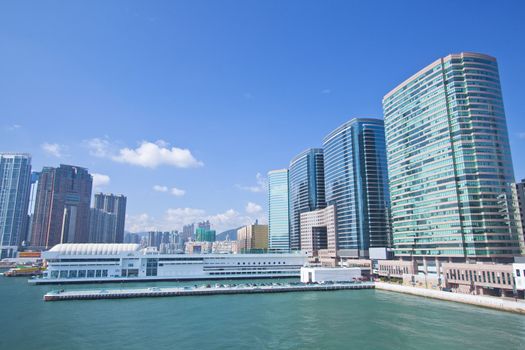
x=356, y=182
x=449, y=162
x=306, y=189
x=278, y=224
x=15, y=181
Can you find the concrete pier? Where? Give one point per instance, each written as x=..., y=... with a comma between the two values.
x=195, y=291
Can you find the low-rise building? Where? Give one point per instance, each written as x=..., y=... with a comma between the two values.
x=193, y=247
x=224, y=247
x=479, y=278
x=314, y=274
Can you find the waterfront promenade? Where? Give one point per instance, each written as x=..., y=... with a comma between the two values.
x=478, y=300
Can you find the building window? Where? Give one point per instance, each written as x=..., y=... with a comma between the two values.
x=517, y=272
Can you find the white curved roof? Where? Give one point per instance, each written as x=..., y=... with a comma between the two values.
x=94, y=248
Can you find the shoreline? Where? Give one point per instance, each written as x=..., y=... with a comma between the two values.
x=495, y=303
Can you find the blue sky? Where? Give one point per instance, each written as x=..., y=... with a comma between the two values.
x=180, y=104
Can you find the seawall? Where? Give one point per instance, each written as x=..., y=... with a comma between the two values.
x=478, y=300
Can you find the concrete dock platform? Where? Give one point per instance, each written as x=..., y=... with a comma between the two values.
x=195, y=291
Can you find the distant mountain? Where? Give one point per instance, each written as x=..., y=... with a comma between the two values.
x=230, y=233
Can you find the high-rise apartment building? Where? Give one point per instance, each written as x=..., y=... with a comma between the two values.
x=102, y=226
x=356, y=183
x=306, y=189
x=278, y=219
x=15, y=179
x=204, y=224
x=113, y=204
x=62, y=206
x=449, y=163
x=188, y=232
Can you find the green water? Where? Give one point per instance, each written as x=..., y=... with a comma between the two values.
x=364, y=319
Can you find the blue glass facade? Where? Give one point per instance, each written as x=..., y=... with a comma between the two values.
x=306, y=189
x=278, y=224
x=449, y=162
x=15, y=179
x=356, y=182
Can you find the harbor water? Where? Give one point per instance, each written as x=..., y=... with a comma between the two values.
x=355, y=319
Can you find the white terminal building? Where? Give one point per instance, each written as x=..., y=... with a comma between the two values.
x=89, y=262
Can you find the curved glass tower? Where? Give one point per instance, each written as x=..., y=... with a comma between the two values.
x=306, y=189
x=278, y=224
x=449, y=162
x=356, y=182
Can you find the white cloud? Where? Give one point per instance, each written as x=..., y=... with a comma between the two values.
x=53, y=149
x=100, y=180
x=151, y=155
x=140, y=223
x=159, y=188
x=178, y=217
x=253, y=208
x=98, y=147
x=175, y=218
x=261, y=185
x=13, y=127
x=147, y=154
x=326, y=91
x=521, y=135
x=177, y=192
x=174, y=190
x=228, y=220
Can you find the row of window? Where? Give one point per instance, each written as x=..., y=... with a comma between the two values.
x=78, y=273
x=480, y=276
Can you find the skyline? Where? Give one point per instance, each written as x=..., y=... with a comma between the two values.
x=206, y=106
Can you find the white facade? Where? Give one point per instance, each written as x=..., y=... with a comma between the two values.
x=123, y=262
x=329, y=274
x=518, y=270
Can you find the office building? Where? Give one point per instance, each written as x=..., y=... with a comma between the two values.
x=318, y=233
x=113, y=204
x=356, y=183
x=306, y=189
x=278, y=219
x=449, y=164
x=15, y=180
x=252, y=238
x=62, y=206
